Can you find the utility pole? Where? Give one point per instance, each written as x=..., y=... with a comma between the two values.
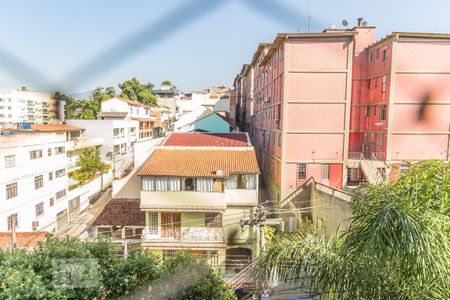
x=13, y=231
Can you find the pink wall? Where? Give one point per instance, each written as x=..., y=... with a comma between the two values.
x=419, y=147
x=325, y=146
x=303, y=116
x=318, y=55
x=414, y=87
x=417, y=56
x=317, y=86
x=436, y=118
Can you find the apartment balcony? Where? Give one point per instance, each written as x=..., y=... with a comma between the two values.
x=184, y=237
x=183, y=201
x=84, y=142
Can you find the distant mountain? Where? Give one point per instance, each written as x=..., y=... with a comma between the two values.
x=81, y=95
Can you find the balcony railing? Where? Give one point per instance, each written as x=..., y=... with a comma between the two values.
x=185, y=234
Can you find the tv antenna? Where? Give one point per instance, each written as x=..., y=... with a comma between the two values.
x=309, y=16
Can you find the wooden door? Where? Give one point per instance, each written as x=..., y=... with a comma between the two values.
x=170, y=225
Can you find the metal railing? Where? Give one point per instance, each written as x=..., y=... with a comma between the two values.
x=185, y=234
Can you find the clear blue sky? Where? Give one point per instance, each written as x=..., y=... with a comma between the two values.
x=195, y=48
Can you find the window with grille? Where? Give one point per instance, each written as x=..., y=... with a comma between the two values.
x=385, y=54
x=367, y=112
x=382, y=115
x=215, y=259
x=9, y=221
x=38, y=182
x=59, y=150
x=213, y=220
x=169, y=253
x=10, y=161
x=153, y=223
x=325, y=171
x=60, y=194
x=383, y=84
x=60, y=173
x=52, y=201
x=35, y=154
x=50, y=176
x=39, y=209
x=11, y=190
x=301, y=171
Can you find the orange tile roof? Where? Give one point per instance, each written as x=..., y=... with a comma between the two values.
x=134, y=102
x=199, y=163
x=54, y=127
x=23, y=239
x=208, y=139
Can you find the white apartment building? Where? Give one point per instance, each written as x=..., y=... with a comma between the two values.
x=17, y=106
x=216, y=102
x=34, y=182
x=121, y=123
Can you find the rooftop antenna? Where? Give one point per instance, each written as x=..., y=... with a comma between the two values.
x=345, y=23
x=309, y=15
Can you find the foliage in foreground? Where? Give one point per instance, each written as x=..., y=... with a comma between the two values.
x=398, y=245
x=31, y=275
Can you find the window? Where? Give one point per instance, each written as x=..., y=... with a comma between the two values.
x=10, y=161
x=382, y=115
x=325, y=171
x=132, y=130
x=38, y=182
x=60, y=173
x=35, y=154
x=59, y=150
x=50, y=176
x=385, y=55
x=9, y=221
x=153, y=223
x=52, y=201
x=116, y=149
x=215, y=259
x=123, y=148
x=367, y=112
x=169, y=253
x=189, y=184
x=377, y=53
x=368, y=84
x=11, y=190
x=49, y=151
x=281, y=54
x=213, y=220
x=60, y=194
x=301, y=174
x=118, y=132
x=383, y=85
x=371, y=56
x=39, y=209
x=279, y=139
x=404, y=167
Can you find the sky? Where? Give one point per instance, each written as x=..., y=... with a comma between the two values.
x=77, y=45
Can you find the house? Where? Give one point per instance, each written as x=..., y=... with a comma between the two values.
x=195, y=188
x=202, y=120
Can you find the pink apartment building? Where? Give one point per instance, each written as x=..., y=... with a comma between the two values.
x=344, y=108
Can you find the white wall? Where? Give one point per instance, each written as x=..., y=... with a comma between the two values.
x=24, y=204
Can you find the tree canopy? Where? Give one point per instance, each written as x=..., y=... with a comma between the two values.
x=88, y=109
x=397, y=247
x=100, y=274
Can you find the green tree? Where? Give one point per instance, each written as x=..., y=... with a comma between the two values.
x=166, y=82
x=134, y=90
x=90, y=165
x=398, y=245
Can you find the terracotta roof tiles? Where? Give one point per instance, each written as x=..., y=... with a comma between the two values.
x=200, y=163
x=54, y=127
x=208, y=139
x=23, y=239
x=123, y=212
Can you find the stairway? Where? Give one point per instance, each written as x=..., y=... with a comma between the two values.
x=243, y=279
x=371, y=172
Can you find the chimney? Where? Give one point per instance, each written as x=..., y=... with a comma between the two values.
x=360, y=21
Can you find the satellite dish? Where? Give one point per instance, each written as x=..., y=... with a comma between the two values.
x=109, y=155
x=364, y=23
x=344, y=23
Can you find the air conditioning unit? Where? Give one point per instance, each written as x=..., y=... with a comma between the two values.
x=35, y=225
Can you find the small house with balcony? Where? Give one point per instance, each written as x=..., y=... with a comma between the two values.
x=195, y=189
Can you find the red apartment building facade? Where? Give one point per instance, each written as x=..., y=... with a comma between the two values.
x=342, y=107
